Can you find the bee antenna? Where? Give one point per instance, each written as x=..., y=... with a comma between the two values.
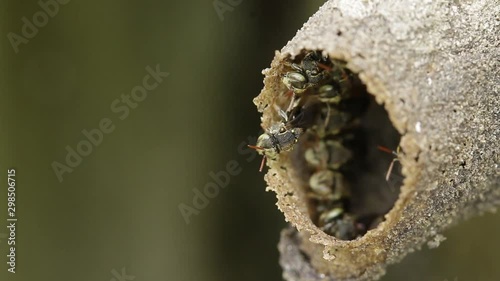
x=263, y=158
x=385, y=149
x=255, y=147
x=324, y=67
x=262, y=163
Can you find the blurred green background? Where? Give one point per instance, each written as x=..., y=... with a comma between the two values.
x=118, y=209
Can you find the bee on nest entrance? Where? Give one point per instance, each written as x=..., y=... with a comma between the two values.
x=333, y=127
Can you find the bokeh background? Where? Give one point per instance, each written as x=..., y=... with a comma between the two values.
x=118, y=209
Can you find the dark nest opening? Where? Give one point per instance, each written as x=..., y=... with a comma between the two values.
x=338, y=159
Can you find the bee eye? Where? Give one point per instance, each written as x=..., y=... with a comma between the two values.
x=282, y=130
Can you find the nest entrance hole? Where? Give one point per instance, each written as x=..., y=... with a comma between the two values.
x=339, y=163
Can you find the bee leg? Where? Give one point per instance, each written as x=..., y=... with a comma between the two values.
x=395, y=153
x=388, y=175
x=281, y=113
x=327, y=119
x=290, y=106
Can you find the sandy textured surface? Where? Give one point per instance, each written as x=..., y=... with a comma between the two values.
x=434, y=65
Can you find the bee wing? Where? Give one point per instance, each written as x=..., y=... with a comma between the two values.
x=305, y=112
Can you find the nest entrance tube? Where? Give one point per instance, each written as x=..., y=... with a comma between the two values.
x=434, y=67
x=341, y=171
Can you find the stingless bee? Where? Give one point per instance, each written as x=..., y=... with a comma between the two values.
x=339, y=224
x=283, y=135
x=279, y=137
x=310, y=72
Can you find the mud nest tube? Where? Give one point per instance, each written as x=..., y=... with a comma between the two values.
x=424, y=80
x=348, y=184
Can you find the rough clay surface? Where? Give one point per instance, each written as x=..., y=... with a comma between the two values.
x=434, y=65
